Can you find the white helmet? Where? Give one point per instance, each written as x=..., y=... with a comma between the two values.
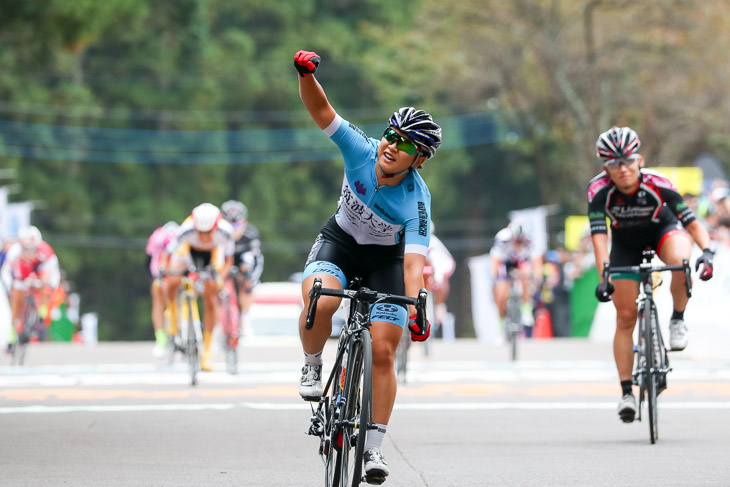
x=205, y=217
x=170, y=227
x=30, y=237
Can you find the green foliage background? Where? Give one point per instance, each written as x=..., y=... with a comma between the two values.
x=220, y=65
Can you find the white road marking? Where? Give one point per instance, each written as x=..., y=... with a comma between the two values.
x=289, y=406
x=281, y=373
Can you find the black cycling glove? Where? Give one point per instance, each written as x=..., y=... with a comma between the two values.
x=604, y=291
x=706, y=261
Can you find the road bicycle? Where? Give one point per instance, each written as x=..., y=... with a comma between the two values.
x=651, y=363
x=230, y=318
x=31, y=325
x=188, y=337
x=513, y=325
x=344, y=413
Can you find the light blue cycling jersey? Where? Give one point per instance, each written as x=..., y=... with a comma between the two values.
x=378, y=215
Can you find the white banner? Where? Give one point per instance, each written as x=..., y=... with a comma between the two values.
x=3, y=211
x=15, y=217
x=483, y=308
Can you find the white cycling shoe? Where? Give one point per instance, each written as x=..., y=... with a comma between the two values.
x=677, y=335
x=627, y=408
x=376, y=468
x=310, y=385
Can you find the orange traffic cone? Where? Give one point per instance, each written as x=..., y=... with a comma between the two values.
x=543, y=325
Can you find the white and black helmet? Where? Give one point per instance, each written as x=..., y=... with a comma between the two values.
x=234, y=211
x=419, y=126
x=30, y=237
x=205, y=217
x=617, y=143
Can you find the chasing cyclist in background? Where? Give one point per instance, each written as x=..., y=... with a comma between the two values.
x=204, y=239
x=380, y=232
x=28, y=260
x=513, y=249
x=248, y=257
x=443, y=265
x=645, y=210
x=156, y=244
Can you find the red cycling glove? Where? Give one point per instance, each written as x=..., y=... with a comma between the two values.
x=306, y=62
x=416, y=334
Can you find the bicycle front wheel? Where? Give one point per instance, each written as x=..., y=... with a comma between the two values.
x=21, y=339
x=192, y=343
x=652, y=375
x=358, y=410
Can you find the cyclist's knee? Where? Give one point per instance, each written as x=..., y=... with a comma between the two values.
x=383, y=354
x=625, y=320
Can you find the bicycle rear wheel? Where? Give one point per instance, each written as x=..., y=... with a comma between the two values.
x=651, y=372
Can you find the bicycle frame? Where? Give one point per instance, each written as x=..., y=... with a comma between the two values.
x=651, y=364
x=188, y=294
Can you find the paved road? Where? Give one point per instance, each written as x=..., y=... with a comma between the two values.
x=114, y=416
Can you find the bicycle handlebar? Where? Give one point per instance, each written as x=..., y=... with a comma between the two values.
x=647, y=267
x=366, y=295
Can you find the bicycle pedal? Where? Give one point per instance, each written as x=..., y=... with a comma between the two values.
x=373, y=479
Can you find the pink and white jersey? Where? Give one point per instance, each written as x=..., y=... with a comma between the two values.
x=156, y=245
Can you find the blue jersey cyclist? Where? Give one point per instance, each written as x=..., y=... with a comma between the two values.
x=646, y=211
x=380, y=233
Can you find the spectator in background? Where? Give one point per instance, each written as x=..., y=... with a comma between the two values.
x=554, y=295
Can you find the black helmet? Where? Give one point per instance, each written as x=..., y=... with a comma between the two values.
x=419, y=126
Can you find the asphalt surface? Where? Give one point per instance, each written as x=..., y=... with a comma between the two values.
x=112, y=415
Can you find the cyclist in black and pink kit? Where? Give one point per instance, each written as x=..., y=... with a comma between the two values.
x=380, y=233
x=645, y=211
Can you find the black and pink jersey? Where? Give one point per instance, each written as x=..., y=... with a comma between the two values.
x=654, y=204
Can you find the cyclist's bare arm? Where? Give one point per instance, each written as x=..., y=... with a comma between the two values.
x=413, y=275
x=315, y=101
x=699, y=234
x=600, y=249
x=496, y=263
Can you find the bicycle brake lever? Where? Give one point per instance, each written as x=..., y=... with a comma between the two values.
x=314, y=295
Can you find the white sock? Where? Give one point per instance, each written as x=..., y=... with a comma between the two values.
x=313, y=358
x=375, y=436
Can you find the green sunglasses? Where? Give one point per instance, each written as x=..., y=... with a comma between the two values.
x=401, y=143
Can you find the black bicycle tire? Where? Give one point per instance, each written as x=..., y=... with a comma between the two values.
x=512, y=320
x=651, y=378
x=192, y=346
x=333, y=460
x=21, y=340
x=366, y=405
